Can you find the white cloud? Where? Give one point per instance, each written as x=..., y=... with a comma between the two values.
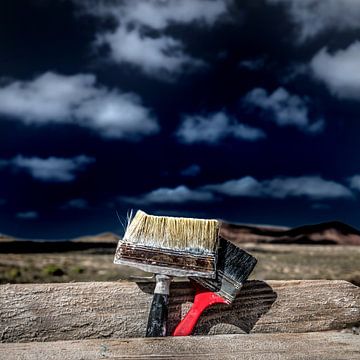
x=159, y=14
x=246, y=186
x=117, y=115
x=156, y=54
x=312, y=17
x=252, y=64
x=160, y=56
x=340, y=71
x=178, y=195
x=192, y=170
x=286, y=109
x=76, y=204
x=213, y=128
x=293, y=71
x=320, y=206
x=355, y=182
x=312, y=187
x=51, y=169
x=27, y=215
x=48, y=97
x=55, y=98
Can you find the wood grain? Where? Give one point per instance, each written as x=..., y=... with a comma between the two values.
x=71, y=311
x=316, y=346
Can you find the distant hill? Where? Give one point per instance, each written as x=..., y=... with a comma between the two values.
x=4, y=237
x=102, y=243
x=328, y=233
x=105, y=238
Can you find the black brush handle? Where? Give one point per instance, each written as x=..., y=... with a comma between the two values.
x=158, y=314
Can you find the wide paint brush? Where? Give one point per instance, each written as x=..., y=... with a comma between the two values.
x=233, y=268
x=168, y=246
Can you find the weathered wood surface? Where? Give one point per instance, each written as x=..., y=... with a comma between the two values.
x=320, y=346
x=71, y=311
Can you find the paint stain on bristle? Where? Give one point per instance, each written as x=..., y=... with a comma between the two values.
x=170, y=245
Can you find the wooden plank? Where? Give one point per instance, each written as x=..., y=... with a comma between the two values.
x=70, y=311
x=321, y=346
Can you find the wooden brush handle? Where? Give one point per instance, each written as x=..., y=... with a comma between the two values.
x=159, y=307
x=203, y=299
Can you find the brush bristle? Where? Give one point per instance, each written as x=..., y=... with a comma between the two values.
x=170, y=245
x=233, y=268
x=234, y=262
x=184, y=234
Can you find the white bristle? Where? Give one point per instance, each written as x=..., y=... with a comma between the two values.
x=184, y=234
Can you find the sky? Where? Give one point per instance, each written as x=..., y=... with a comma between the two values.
x=245, y=111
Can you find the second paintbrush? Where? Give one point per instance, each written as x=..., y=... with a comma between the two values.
x=233, y=268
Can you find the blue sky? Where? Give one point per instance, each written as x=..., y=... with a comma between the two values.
x=246, y=111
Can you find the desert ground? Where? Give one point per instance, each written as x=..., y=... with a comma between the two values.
x=321, y=251
x=274, y=262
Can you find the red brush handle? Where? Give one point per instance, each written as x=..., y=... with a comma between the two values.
x=203, y=299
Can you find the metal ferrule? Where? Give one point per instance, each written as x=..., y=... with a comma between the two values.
x=224, y=286
x=229, y=287
x=162, y=284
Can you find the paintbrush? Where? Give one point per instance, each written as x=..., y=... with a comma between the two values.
x=168, y=246
x=233, y=268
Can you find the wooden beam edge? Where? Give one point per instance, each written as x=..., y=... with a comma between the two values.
x=321, y=346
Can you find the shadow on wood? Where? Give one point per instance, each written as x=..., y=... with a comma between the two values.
x=254, y=300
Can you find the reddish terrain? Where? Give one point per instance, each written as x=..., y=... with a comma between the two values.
x=329, y=233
